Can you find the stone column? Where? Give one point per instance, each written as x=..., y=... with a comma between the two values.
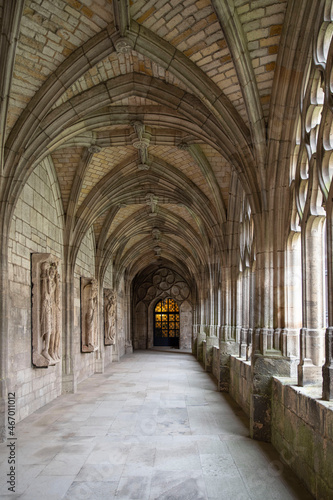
x=245, y=314
x=328, y=366
x=3, y=340
x=227, y=343
x=99, y=361
x=127, y=321
x=312, y=333
x=69, y=380
x=267, y=360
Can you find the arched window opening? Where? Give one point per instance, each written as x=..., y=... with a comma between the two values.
x=166, y=323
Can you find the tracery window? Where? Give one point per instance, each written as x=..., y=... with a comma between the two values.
x=311, y=173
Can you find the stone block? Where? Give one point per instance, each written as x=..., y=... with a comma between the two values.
x=278, y=418
x=323, y=490
x=329, y=424
x=291, y=422
x=260, y=418
x=305, y=443
x=305, y=473
x=290, y=399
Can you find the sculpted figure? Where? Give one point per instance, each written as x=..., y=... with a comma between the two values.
x=50, y=310
x=91, y=310
x=52, y=290
x=110, y=318
x=46, y=309
x=56, y=318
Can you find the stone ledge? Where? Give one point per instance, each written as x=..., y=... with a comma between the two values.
x=302, y=433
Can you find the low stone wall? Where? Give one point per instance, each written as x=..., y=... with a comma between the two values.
x=240, y=382
x=204, y=352
x=216, y=364
x=302, y=432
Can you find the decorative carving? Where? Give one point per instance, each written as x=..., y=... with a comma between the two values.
x=123, y=46
x=89, y=305
x=140, y=141
x=183, y=146
x=139, y=130
x=156, y=233
x=46, y=310
x=152, y=200
x=143, y=166
x=163, y=283
x=157, y=251
x=110, y=302
x=94, y=149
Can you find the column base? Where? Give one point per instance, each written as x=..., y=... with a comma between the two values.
x=208, y=359
x=99, y=365
x=128, y=348
x=69, y=384
x=201, y=337
x=309, y=374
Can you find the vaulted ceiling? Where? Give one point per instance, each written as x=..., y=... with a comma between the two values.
x=147, y=110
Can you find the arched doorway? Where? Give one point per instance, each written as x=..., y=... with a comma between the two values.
x=166, y=323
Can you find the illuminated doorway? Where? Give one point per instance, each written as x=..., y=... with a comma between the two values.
x=166, y=323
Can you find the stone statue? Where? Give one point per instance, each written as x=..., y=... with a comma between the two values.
x=89, y=313
x=46, y=310
x=152, y=200
x=110, y=317
x=57, y=318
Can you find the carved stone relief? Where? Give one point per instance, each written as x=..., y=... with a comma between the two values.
x=89, y=314
x=110, y=303
x=46, y=310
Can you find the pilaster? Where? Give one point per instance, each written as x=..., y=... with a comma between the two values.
x=210, y=343
x=263, y=368
x=69, y=383
x=311, y=362
x=128, y=347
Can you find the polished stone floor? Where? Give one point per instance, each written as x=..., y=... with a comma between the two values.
x=151, y=427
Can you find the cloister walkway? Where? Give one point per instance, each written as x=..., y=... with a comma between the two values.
x=152, y=426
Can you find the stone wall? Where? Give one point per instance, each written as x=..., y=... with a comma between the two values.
x=216, y=364
x=84, y=364
x=302, y=432
x=240, y=382
x=36, y=228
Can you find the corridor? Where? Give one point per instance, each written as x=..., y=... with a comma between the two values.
x=152, y=426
